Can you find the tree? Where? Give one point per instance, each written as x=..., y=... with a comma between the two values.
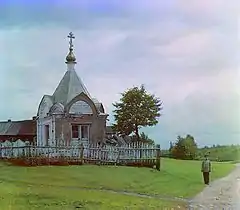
x=178, y=151
x=190, y=147
x=171, y=146
x=144, y=138
x=136, y=109
x=185, y=148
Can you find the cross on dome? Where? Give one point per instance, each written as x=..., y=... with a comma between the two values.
x=71, y=37
x=71, y=57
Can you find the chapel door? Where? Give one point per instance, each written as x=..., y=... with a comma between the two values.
x=46, y=129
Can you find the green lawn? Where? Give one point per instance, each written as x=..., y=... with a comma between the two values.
x=70, y=187
x=20, y=197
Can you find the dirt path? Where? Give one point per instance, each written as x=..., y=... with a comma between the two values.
x=220, y=194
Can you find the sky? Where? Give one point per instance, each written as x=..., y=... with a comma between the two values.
x=184, y=52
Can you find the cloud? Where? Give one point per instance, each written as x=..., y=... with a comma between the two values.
x=185, y=53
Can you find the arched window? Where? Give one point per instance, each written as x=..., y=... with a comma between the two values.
x=57, y=109
x=80, y=107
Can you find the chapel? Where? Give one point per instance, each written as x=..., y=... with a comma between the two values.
x=70, y=116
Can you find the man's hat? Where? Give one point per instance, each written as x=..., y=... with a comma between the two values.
x=206, y=155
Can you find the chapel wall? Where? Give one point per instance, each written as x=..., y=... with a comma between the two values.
x=97, y=128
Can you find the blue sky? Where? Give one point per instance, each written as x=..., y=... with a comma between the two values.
x=185, y=52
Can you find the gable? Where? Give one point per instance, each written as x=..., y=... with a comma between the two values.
x=44, y=106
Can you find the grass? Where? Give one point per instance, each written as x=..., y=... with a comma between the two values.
x=235, y=161
x=56, y=187
x=17, y=197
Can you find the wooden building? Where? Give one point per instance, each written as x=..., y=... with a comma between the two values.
x=14, y=130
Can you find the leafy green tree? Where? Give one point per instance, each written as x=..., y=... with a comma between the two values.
x=185, y=148
x=178, y=151
x=190, y=147
x=137, y=108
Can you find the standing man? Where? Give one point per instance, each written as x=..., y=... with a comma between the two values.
x=206, y=169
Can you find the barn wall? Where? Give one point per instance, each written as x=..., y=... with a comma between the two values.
x=29, y=138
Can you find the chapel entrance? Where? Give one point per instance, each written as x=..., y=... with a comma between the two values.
x=46, y=134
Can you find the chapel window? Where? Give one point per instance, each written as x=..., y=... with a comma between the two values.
x=75, y=131
x=84, y=131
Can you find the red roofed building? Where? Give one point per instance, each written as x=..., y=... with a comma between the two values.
x=14, y=130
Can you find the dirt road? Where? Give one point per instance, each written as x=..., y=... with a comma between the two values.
x=220, y=194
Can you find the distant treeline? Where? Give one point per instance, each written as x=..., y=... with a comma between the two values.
x=186, y=148
x=221, y=152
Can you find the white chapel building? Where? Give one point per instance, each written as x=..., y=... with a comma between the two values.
x=70, y=116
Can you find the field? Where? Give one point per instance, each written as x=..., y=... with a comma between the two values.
x=102, y=187
x=222, y=153
x=219, y=153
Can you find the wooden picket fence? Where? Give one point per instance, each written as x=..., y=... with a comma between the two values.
x=134, y=154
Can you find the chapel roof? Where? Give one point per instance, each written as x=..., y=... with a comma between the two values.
x=69, y=87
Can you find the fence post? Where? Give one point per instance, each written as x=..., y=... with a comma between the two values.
x=158, y=158
x=28, y=149
x=140, y=146
x=81, y=153
x=118, y=157
x=12, y=148
x=27, y=153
